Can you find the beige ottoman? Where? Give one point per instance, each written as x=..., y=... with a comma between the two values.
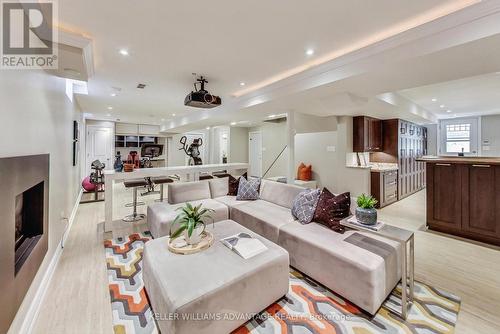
x=214, y=291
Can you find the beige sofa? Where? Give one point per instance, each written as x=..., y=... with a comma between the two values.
x=362, y=267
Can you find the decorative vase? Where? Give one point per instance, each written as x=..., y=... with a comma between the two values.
x=118, y=163
x=195, y=238
x=366, y=216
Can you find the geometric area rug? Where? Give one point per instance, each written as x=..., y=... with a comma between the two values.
x=308, y=307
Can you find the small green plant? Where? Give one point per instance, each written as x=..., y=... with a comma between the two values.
x=189, y=219
x=366, y=201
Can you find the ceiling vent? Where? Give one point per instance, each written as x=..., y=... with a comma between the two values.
x=141, y=86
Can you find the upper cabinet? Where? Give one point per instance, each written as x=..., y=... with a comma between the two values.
x=152, y=130
x=367, y=134
x=137, y=129
x=127, y=129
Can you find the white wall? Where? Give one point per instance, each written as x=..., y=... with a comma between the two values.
x=37, y=118
x=490, y=132
x=432, y=142
x=273, y=142
x=238, y=144
x=329, y=168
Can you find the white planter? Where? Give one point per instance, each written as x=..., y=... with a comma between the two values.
x=195, y=237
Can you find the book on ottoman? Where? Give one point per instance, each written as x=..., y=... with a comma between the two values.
x=244, y=245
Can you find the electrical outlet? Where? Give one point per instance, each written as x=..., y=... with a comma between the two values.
x=330, y=148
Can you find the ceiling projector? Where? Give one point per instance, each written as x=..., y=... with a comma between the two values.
x=201, y=98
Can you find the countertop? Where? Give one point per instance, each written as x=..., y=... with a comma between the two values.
x=461, y=160
x=377, y=167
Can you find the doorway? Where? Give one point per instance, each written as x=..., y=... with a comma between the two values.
x=255, y=153
x=99, y=146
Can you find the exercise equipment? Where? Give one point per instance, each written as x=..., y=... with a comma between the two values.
x=95, y=182
x=192, y=151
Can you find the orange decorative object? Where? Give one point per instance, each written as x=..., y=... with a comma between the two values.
x=304, y=172
x=128, y=167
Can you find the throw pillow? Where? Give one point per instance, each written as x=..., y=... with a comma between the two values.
x=299, y=169
x=304, y=205
x=248, y=190
x=332, y=209
x=305, y=174
x=233, y=184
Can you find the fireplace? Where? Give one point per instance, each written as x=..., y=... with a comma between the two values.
x=28, y=223
x=24, y=212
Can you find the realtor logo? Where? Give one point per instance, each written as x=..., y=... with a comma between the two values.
x=29, y=39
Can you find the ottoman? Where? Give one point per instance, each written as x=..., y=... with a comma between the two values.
x=216, y=290
x=161, y=215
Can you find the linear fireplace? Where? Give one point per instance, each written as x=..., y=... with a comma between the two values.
x=24, y=208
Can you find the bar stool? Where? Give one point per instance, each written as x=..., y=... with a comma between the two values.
x=206, y=177
x=161, y=181
x=135, y=184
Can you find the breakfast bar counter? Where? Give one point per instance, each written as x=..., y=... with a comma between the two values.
x=463, y=196
x=191, y=173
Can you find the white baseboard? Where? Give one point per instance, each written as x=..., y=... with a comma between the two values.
x=31, y=316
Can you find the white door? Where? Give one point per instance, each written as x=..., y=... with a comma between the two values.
x=459, y=135
x=99, y=146
x=255, y=153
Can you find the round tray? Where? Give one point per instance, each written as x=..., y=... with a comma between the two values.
x=207, y=240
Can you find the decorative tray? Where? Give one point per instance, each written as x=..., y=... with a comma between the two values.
x=207, y=239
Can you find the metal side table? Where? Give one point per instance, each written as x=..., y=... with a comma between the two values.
x=406, y=238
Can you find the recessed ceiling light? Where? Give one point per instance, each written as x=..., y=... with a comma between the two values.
x=113, y=94
x=124, y=52
x=434, y=100
x=242, y=83
x=442, y=106
x=173, y=115
x=208, y=128
x=309, y=52
x=233, y=123
x=448, y=110
x=110, y=108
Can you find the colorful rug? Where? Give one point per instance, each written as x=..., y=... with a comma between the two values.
x=308, y=308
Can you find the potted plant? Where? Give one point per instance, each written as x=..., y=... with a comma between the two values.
x=192, y=223
x=365, y=212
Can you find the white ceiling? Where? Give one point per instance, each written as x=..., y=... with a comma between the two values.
x=224, y=40
x=478, y=95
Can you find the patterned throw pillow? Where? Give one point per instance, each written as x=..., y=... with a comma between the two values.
x=304, y=205
x=248, y=190
x=332, y=209
x=233, y=184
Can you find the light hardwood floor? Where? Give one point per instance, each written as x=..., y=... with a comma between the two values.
x=78, y=300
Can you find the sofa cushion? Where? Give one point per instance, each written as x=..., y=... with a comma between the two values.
x=219, y=187
x=304, y=205
x=161, y=215
x=331, y=209
x=230, y=201
x=262, y=217
x=248, y=189
x=233, y=184
x=279, y=193
x=180, y=192
x=363, y=276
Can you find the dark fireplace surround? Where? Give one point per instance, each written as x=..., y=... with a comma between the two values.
x=24, y=209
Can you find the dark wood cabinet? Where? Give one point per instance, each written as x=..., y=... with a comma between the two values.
x=384, y=187
x=463, y=199
x=443, y=196
x=367, y=134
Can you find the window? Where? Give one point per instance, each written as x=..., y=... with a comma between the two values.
x=458, y=135
x=458, y=138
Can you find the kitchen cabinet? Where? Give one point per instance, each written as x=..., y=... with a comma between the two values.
x=126, y=129
x=151, y=130
x=367, y=134
x=384, y=187
x=463, y=197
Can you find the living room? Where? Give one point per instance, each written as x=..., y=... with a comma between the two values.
x=324, y=167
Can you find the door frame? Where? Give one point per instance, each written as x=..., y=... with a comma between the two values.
x=261, y=150
x=87, y=148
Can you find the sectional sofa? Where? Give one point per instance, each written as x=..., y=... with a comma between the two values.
x=361, y=267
